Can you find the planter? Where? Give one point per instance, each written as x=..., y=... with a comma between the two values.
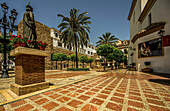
x=147, y=70
x=19, y=44
x=42, y=48
x=132, y=68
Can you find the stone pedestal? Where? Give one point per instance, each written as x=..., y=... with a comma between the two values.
x=29, y=70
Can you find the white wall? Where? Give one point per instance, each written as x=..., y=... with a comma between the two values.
x=143, y=3
x=56, y=40
x=89, y=49
x=135, y=27
x=160, y=12
x=158, y=64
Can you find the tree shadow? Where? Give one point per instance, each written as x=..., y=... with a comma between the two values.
x=161, y=81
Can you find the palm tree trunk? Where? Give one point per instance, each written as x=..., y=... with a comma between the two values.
x=119, y=65
x=56, y=64
x=115, y=65
x=104, y=64
x=61, y=65
x=68, y=65
x=76, y=51
x=112, y=65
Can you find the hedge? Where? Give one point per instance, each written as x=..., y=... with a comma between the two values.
x=77, y=69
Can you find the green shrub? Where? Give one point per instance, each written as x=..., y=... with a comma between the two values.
x=77, y=69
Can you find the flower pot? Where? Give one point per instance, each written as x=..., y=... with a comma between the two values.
x=41, y=48
x=23, y=44
x=19, y=44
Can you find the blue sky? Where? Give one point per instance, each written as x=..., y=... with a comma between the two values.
x=106, y=15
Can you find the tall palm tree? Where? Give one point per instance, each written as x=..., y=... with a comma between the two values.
x=107, y=39
x=74, y=30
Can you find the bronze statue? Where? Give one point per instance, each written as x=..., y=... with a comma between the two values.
x=29, y=26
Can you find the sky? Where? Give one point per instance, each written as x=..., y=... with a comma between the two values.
x=106, y=15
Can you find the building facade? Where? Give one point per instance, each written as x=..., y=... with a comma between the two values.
x=147, y=19
x=124, y=46
x=52, y=37
x=89, y=50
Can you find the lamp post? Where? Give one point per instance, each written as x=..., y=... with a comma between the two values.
x=5, y=24
x=161, y=33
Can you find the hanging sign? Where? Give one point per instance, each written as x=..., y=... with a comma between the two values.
x=166, y=40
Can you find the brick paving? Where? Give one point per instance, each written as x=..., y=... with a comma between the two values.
x=112, y=91
x=64, y=75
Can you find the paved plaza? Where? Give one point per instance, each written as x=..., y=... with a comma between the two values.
x=119, y=90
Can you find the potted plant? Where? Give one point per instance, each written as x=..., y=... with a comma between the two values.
x=132, y=67
x=18, y=41
x=147, y=64
x=133, y=64
x=41, y=45
x=147, y=69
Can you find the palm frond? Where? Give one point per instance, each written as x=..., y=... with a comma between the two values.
x=106, y=39
x=81, y=15
x=60, y=15
x=66, y=19
x=84, y=18
x=62, y=24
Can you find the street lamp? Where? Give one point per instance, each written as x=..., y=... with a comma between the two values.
x=5, y=24
x=161, y=33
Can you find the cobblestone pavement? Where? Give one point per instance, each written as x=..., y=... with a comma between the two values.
x=55, y=77
x=119, y=90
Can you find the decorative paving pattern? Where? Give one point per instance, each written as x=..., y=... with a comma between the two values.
x=65, y=75
x=102, y=93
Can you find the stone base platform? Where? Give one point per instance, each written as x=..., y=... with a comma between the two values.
x=21, y=90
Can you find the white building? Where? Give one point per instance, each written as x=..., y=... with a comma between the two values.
x=89, y=50
x=147, y=18
x=123, y=45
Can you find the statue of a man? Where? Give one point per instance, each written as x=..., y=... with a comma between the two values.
x=29, y=26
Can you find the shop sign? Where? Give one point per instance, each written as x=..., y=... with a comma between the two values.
x=166, y=40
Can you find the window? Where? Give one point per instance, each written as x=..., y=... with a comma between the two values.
x=56, y=34
x=91, y=53
x=60, y=44
x=150, y=19
x=125, y=51
x=88, y=52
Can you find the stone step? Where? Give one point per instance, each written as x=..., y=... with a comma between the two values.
x=6, y=95
x=12, y=93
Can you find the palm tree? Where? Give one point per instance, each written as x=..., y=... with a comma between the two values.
x=107, y=39
x=74, y=30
